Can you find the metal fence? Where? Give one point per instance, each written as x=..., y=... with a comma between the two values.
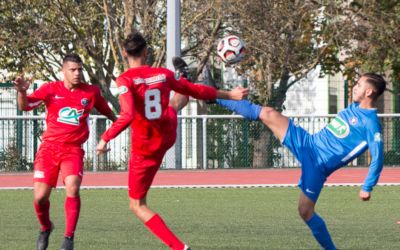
x=204, y=142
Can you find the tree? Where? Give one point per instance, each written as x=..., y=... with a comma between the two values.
x=36, y=34
x=377, y=35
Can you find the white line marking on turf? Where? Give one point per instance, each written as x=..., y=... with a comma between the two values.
x=212, y=186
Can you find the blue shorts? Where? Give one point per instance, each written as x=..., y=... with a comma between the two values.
x=301, y=145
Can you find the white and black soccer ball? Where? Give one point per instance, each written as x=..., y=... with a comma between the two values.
x=231, y=49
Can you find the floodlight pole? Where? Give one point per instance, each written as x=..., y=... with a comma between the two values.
x=173, y=31
x=174, y=155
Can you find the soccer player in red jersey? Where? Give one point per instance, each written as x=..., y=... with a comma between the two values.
x=68, y=104
x=144, y=97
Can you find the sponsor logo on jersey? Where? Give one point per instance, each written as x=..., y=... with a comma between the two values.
x=69, y=115
x=138, y=81
x=122, y=90
x=339, y=127
x=85, y=102
x=151, y=80
x=377, y=137
x=38, y=174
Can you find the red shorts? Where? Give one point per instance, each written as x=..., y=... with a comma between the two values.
x=51, y=158
x=142, y=169
x=147, y=155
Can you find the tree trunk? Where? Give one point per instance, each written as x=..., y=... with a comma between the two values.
x=264, y=145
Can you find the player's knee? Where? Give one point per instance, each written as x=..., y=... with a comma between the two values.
x=179, y=101
x=41, y=196
x=72, y=191
x=267, y=115
x=134, y=207
x=305, y=212
x=38, y=199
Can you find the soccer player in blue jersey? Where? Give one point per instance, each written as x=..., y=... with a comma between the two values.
x=353, y=131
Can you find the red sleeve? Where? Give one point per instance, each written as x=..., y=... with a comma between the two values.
x=101, y=104
x=197, y=91
x=37, y=97
x=127, y=110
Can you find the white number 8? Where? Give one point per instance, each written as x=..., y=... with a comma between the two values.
x=152, y=104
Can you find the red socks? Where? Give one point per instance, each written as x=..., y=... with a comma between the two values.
x=157, y=226
x=72, y=209
x=43, y=215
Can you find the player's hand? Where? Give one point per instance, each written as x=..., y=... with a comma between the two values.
x=238, y=93
x=102, y=147
x=364, y=195
x=20, y=84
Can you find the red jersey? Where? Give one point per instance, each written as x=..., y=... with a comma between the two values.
x=68, y=111
x=144, y=98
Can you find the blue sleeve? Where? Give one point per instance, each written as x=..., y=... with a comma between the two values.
x=375, y=145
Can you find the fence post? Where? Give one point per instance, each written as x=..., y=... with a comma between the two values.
x=35, y=127
x=19, y=137
x=204, y=143
x=94, y=142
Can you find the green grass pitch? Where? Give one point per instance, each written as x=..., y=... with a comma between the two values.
x=230, y=218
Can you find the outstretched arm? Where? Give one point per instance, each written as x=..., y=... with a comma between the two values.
x=204, y=92
x=125, y=116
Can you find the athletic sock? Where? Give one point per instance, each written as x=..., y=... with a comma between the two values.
x=320, y=232
x=43, y=214
x=157, y=226
x=72, y=209
x=245, y=108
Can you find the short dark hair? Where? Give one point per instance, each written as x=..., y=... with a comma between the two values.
x=72, y=58
x=377, y=81
x=134, y=44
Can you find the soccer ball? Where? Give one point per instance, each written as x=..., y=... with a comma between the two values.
x=231, y=49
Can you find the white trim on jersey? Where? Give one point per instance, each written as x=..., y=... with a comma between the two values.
x=34, y=104
x=355, y=151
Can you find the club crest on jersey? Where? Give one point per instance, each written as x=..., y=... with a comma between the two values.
x=69, y=115
x=353, y=121
x=85, y=102
x=339, y=127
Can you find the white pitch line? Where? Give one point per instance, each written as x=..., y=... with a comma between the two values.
x=212, y=186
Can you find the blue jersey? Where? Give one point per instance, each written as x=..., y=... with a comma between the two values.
x=347, y=136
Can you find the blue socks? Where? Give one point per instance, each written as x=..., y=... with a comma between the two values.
x=245, y=108
x=320, y=232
